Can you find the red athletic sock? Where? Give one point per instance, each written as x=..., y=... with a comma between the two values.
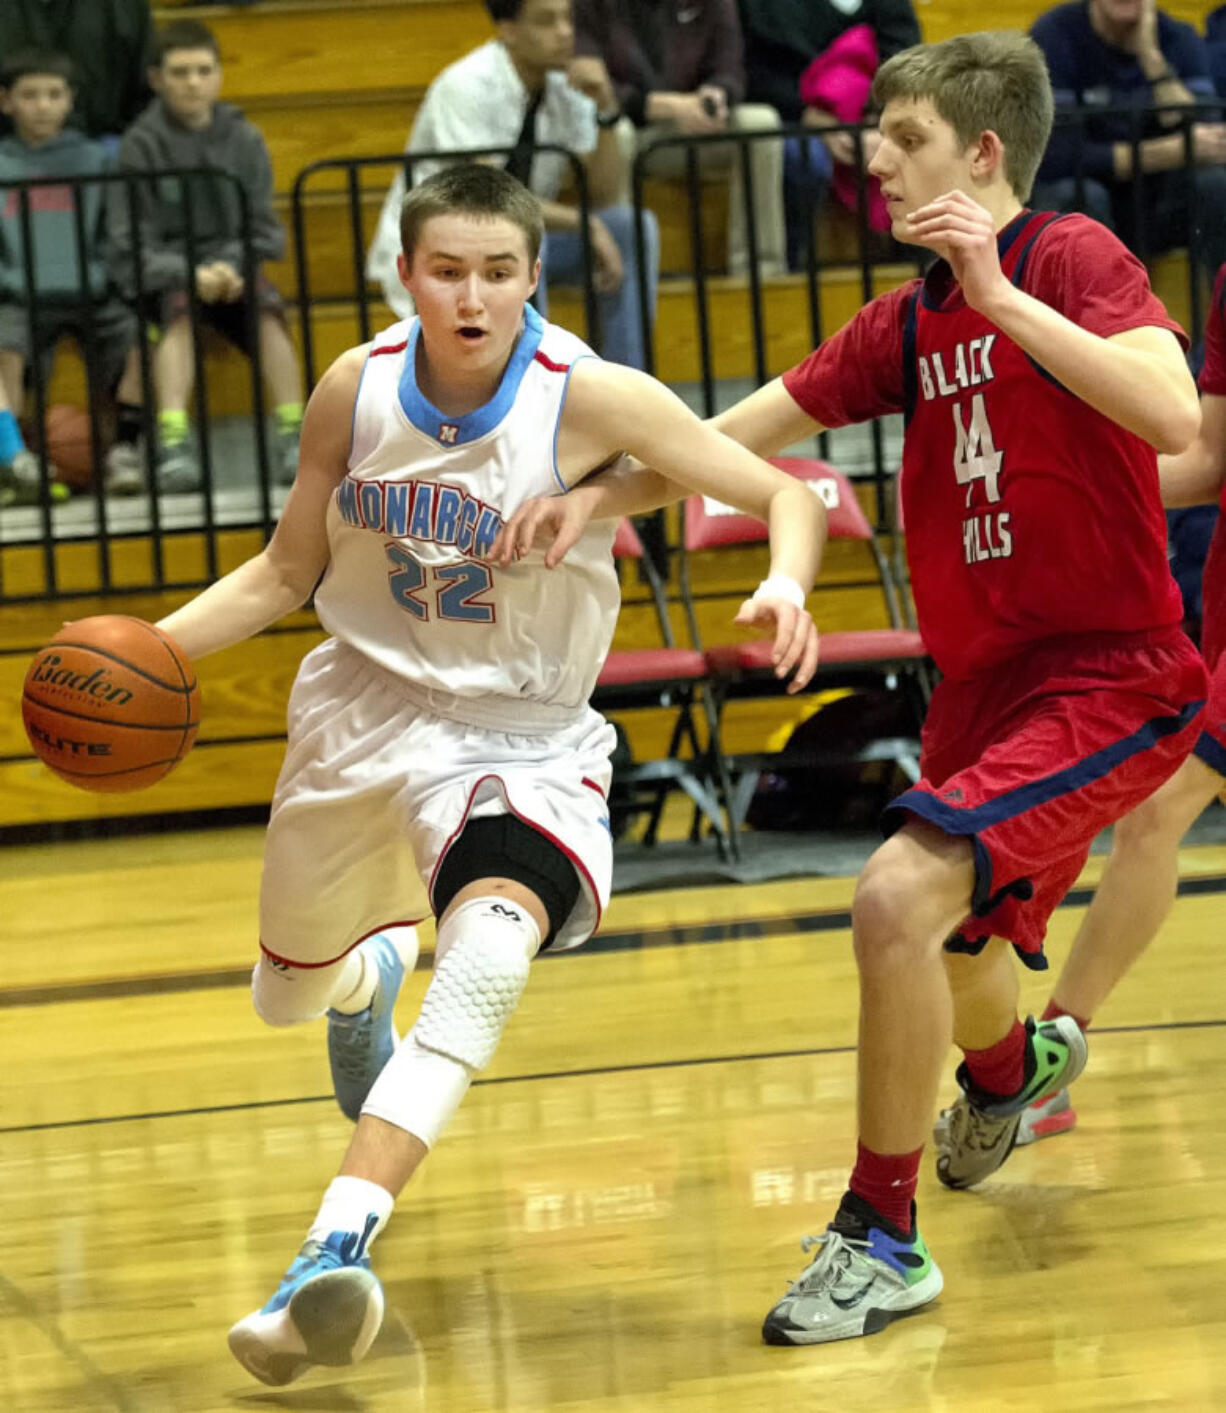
x=1053, y=1010
x=886, y=1181
x=1001, y=1068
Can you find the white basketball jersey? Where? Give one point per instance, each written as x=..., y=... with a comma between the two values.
x=411, y=525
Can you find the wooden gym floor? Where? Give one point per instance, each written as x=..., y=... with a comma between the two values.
x=619, y=1200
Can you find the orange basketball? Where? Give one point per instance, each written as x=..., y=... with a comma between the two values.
x=68, y=444
x=111, y=703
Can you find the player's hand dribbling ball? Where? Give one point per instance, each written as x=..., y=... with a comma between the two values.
x=111, y=703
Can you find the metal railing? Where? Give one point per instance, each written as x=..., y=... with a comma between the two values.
x=880, y=472
x=103, y=521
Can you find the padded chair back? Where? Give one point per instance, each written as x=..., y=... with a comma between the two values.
x=709, y=524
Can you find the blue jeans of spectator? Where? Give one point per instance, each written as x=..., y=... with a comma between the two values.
x=621, y=318
x=1165, y=209
x=807, y=169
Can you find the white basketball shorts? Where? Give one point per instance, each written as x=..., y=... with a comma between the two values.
x=375, y=787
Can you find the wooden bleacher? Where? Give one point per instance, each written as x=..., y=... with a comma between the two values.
x=338, y=78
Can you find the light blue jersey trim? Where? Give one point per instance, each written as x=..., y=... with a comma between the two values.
x=353, y=420
x=557, y=426
x=422, y=413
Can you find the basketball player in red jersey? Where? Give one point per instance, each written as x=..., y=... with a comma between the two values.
x=1039, y=377
x=1139, y=881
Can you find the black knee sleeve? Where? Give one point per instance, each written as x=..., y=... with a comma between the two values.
x=501, y=846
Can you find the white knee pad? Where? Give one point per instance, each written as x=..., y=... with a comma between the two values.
x=480, y=971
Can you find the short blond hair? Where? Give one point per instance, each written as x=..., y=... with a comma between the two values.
x=472, y=189
x=996, y=80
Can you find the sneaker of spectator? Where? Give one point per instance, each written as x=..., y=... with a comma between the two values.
x=286, y=464
x=21, y=481
x=124, y=472
x=178, y=469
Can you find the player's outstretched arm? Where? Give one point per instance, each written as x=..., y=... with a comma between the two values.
x=1196, y=476
x=1138, y=378
x=613, y=408
x=282, y=576
x=766, y=421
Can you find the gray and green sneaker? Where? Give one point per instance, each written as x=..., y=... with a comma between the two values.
x=866, y=1273
x=975, y=1136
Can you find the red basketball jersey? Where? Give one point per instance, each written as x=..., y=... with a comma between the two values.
x=1213, y=579
x=1029, y=514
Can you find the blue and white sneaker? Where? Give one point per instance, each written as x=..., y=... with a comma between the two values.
x=866, y=1274
x=327, y=1310
x=360, y=1045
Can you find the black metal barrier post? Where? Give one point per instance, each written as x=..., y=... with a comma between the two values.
x=40, y=391
x=93, y=393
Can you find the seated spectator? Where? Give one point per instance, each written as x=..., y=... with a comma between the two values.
x=522, y=90
x=679, y=69
x=1104, y=53
x=36, y=93
x=808, y=59
x=108, y=43
x=186, y=127
x=1215, y=42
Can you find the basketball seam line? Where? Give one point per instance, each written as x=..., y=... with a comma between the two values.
x=102, y=720
x=108, y=774
x=184, y=690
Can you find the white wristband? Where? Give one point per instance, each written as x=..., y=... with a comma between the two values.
x=781, y=586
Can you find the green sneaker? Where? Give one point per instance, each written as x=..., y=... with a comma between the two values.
x=866, y=1273
x=975, y=1136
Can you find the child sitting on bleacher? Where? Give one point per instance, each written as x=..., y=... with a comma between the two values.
x=186, y=127
x=36, y=92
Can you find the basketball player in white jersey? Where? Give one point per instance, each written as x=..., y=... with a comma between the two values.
x=442, y=755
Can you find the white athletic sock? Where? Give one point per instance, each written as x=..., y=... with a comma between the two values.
x=355, y=986
x=347, y=1204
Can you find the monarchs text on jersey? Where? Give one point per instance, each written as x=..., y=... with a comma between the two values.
x=1029, y=515
x=411, y=525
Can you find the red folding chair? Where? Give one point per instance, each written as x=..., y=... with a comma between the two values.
x=676, y=678
x=892, y=657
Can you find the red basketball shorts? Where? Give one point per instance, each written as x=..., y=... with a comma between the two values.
x=1031, y=760
x=1211, y=743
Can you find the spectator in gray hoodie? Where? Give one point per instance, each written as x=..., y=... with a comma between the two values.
x=185, y=127
x=36, y=93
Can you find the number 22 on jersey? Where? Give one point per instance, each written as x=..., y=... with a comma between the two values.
x=456, y=591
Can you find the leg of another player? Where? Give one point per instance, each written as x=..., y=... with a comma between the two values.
x=1130, y=904
x=1008, y=1065
x=1136, y=891
x=329, y=1306
x=873, y=1264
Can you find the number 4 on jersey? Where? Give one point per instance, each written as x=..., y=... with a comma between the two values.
x=975, y=454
